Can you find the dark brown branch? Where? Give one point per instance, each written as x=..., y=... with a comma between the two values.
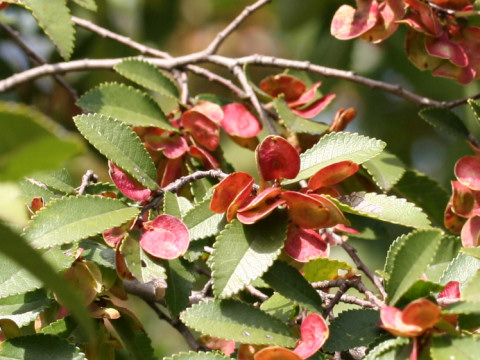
x=335, y=299
x=352, y=252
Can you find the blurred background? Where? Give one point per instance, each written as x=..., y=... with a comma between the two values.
x=290, y=29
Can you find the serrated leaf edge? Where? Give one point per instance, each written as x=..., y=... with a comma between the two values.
x=384, y=347
x=143, y=94
x=374, y=178
x=443, y=129
x=131, y=133
x=65, y=199
x=134, y=78
x=219, y=355
x=230, y=293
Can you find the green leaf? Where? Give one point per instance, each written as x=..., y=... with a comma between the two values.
x=385, y=169
x=336, y=147
x=296, y=123
x=119, y=143
x=278, y=306
x=137, y=343
x=53, y=16
x=474, y=124
x=87, y=4
x=74, y=218
x=460, y=269
x=458, y=348
x=180, y=280
x=39, y=346
x=24, y=308
x=391, y=349
x=31, y=189
x=31, y=142
x=59, y=180
x=148, y=76
x=471, y=291
x=17, y=249
x=198, y=356
x=472, y=251
x=351, y=329
x=127, y=104
x=462, y=307
x=202, y=222
x=419, y=289
x=411, y=260
x=140, y=264
x=65, y=328
x=175, y=205
x=236, y=321
x=450, y=246
x=323, y=269
x=444, y=120
x=98, y=253
x=243, y=253
x=382, y=207
x=287, y=281
x=395, y=246
x=425, y=193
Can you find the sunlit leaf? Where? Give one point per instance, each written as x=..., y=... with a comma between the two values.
x=385, y=169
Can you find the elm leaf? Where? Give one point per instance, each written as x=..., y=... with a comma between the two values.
x=243, y=253
x=385, y=169
x=148, y=76
x=336, y=147
x=126, y=104
x=198, y=356
x=459, y=348
x=202, y=222
x=297, y=123
x=237, y=321
x=411, y=260
x=445, y=120
x=119, y=143
x=382, y=207
x=74, y=218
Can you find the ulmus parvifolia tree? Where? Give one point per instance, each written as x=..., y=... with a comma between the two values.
x=243, y=264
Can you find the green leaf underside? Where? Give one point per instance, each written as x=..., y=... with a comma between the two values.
x=148, y=76
x=39, y=346
x=179, y=285
x=244, y=252
x=175, y=205
x=126, y=104
x=53, y=16
x=297, y=123
x=87, y=4
x=17, y=249
x=385, y=169
x=31, y=190
x=323, y=269
x=445, y=120
x=198, y=356
x=382, y=207
x=24, y=308
x=351, y=329
x=460, y=269
x=202, y=222
x=457, y=348
x=387, y=350
x=411, y=260
x=59, y=180
x=336, y=147
x=278, y=306
x=236, y=321
x=99, y=253
x=119, y=143
x=74, y=218
x=287, y=281
x=424, y=192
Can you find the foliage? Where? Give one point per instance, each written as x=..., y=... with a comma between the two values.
x=242, y=262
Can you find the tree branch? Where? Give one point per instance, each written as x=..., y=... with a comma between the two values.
x=222, y=35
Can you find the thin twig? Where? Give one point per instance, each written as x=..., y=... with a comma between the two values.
x=222, y=35
x=335, y=299
x=257, y=293
x=88, y=178
x=181, y=328
x=348, y=299
x=37, y=58
x=179, y=183
x=352, y=252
